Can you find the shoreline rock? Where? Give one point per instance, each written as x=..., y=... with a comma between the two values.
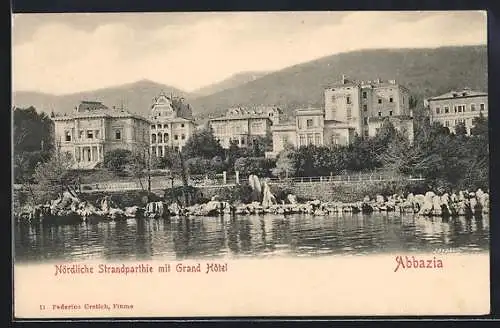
x=69, y=208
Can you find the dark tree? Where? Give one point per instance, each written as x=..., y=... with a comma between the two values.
x=202, y=144
x=117, y=160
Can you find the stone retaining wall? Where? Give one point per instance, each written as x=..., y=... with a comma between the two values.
x=324, y=191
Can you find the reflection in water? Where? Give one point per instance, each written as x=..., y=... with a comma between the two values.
x=269, y=235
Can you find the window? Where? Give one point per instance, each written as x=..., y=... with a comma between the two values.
x=97, y=134
x=379, y=113
x=403, y=100
x=379, y=100
x=365, y=120
x=310, y=139
x=348, y=114
x=90, y=134
x=437, y=110
x=242, y=141
x=364, y=94
x=153, y=126
x=446, y=109
x=309, y=123
x=348, y=100
x=67, y=135
x=391, y=99
x=302, y=140
x=176, y=148
x=118, y=134
x=176, y=137
x=447, y=123
x=257, y=126
x=472, y=107
x=365, y=108
x=366, y=133
x=153, y=138
x=164, y=126
x=165, y=137
x=481, y=107
x=390, y=113
x=456, y=108
x=159, y=138
x=81, y=134
x=183, y=137
x=317, y=139
x=182, y=125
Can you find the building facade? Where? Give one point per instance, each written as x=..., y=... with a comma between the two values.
x=94, y=129
x=244, y=125
x=351, y=108
x=172, y=124
x=362, y=105
x=454, y=107
x=310, y=128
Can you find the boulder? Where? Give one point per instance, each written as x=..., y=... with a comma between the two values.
x=292, y=199
x=379, y=199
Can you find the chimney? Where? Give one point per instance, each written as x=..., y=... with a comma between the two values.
x=344, y=80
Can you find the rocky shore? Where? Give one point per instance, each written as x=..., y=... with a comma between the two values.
x=69, y=207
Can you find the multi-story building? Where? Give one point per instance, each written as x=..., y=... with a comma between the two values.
x=310, y=128
x=172, y=124
x=244, y=125
x=458, y=106
x=364, y=105
x=351, y=108
x=94, y=129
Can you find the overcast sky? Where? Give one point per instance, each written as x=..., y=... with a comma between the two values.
x=64, y=53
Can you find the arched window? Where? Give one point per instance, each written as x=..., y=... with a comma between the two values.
x=165, y=137
x=159, y=138
x=153, y=138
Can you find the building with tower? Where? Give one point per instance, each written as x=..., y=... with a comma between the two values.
x=171, y=124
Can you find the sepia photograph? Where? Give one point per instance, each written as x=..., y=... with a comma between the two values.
x=293, y=163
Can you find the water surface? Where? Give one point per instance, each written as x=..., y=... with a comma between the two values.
x=249, y=236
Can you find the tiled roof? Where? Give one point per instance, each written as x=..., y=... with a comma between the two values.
x=100, y=113
x=309, y=111
x=240, y=117
x=459, y=94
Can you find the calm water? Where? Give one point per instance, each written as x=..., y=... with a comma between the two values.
x=202, y=238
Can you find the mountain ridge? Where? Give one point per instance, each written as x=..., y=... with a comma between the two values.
x=230, y=82
x=425, y=71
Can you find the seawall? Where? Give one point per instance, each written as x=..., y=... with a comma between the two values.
x=324, y=191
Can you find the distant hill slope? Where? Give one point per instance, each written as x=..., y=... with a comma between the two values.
x=426, y=72
x=136, y=97
x=231, y=82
